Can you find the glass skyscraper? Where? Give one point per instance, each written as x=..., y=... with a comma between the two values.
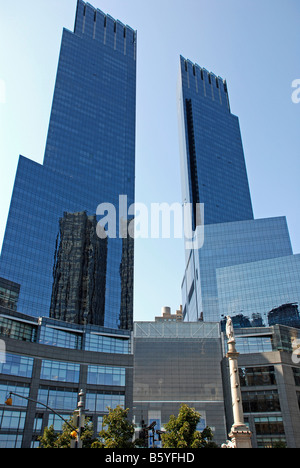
x=213, y=163
x=89, y=159
x=245, y=268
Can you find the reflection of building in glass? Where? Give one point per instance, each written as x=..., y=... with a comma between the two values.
x=286, y=314
x=246, y=266
x=255, y=289
x=79, y=275
x=89, y=159
x=9, y=294
x=126, y=275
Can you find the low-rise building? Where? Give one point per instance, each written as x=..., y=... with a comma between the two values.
x=153, y=371
x=167, y=316
x=50, y=362
x=178, y=363
x=269, y=370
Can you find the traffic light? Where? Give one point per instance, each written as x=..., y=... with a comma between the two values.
x=9, y=401
x=144, y=435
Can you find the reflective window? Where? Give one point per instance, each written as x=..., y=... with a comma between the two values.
x=106, y=344
x=10, y=441
x=261, y=402
x=102, y=375
x=60, y=371
x=254, y=344
x=265, y=291
x=12, y=420
x=61, y=339
x=9, y=293
x=57, y=422
x=18, y=330
x=269, y=442
x=20, y=389
x=257, y=376
x=269, y=425
x=100, y=402
x=38, y=422
x=17, y=365
x=58, y=398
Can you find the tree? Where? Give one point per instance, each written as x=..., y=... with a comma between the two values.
x=118, y=431
x=51, y=439
x=280, y=444
x=181, y=432
x=48, y=439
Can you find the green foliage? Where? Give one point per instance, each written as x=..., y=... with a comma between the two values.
x=280, y=444
x=118, y=431
x=181, y=431
x=51, y=439
x=48, y=439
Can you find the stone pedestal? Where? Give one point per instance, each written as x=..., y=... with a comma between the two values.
x=240, y=437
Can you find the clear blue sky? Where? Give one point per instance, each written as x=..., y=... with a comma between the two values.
x=254, y=44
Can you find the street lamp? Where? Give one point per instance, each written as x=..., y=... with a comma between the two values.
x=76, y=431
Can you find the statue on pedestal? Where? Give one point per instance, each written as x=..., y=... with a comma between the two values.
x=240, y=435
x=230, y=330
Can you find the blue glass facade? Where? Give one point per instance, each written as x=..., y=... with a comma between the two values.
x=225, y=245
x=89, y=159
x=212, y=158
x=51, y=366
x=245, y=267
x=262, y=291
x=50, y=332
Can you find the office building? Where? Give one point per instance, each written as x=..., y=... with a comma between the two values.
x=178, y=363
x=230, y=245
x=50, y=362
x=167, y=316
x=170, y=363
x=186, y=363
x=212, y=164
x=89, y=160
x=246, y=266
x=269, y=376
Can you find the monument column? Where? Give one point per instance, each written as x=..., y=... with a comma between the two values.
x=240, y=435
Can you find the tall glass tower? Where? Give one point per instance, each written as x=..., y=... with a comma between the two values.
x=246, y=267
x=89, y=159
x=213, y=163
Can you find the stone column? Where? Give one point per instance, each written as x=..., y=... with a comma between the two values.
x=240, y=435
